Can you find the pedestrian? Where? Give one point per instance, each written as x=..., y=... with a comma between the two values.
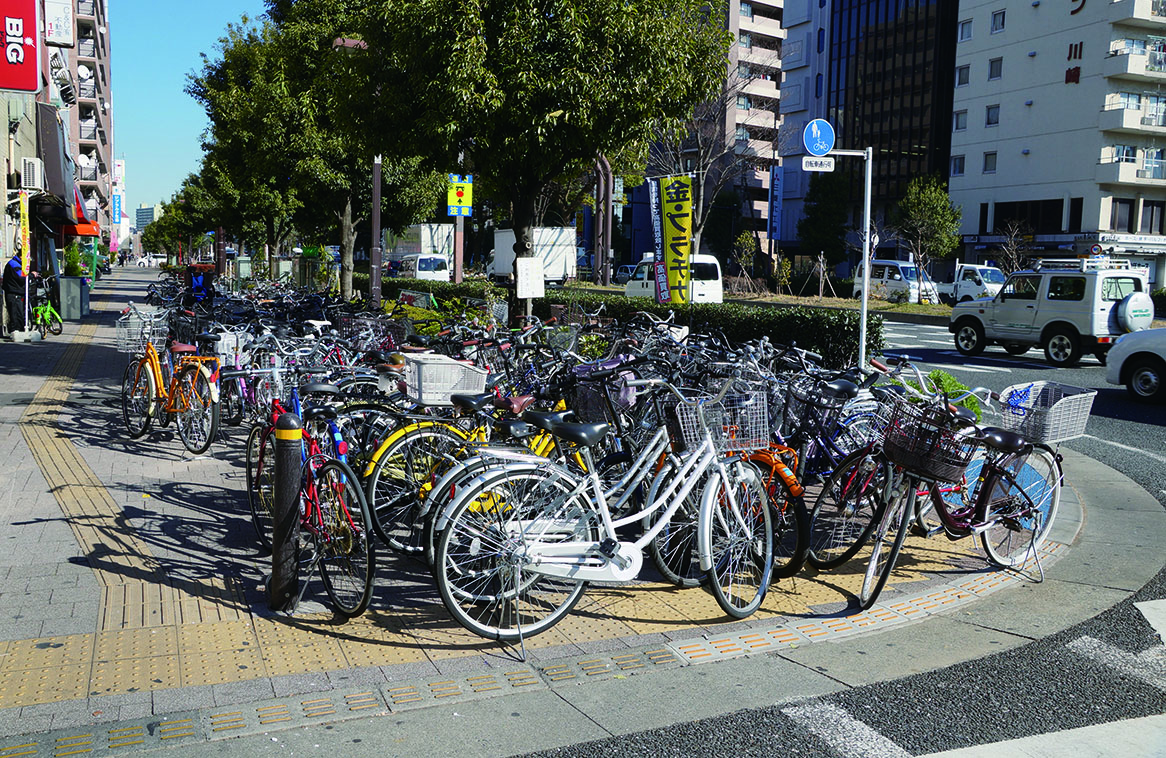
x=14, y=288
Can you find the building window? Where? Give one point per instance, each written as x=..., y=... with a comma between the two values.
x=1153, y=212
x=818, y=82
x=995, y=68
x=959, y=121
x=992, y=115
x=1130, y=101
x=997, y=21
x=1154, y=164
x=990, y=163
x=957, y=165
x=744, y=102
x=746, y=10
x=963, y=75
x=742, y=134
x=965, y=30
x=821, y=41
x=1121, y=217
x=1125, y=154
x=743, y=71
x=745, y=40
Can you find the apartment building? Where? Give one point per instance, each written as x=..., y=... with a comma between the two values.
x=1059, y=128
x=91, y=118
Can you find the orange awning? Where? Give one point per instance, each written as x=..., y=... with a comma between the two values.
x=86, y=229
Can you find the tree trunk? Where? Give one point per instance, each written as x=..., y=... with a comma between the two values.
x=524, y=208
x=347, y=242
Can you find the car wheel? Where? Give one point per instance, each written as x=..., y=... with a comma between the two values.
x=1063, y=348
x=1145, y=379
x=1013, y=348
x=969, y=337
x=966, y=299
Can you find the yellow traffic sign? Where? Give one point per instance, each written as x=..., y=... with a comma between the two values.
x=460, y=196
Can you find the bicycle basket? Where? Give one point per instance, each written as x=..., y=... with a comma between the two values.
x=809, y=402
x=561, y=337
x=135, y=330
x=738, y=422
x=920, y=439
x=1046, y=411
x=231, y=346
x=430, y=379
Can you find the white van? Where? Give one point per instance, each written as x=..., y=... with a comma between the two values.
x=424, y=266
x=896, y=280
x=707, y=286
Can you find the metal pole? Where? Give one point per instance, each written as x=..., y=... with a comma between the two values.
x=283, y=591
x=374, y=253
x=868, y=155
x=599, y=220
x=459, y=232
x=608, y=218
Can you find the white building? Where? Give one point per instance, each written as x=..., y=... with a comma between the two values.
x=1059, y=122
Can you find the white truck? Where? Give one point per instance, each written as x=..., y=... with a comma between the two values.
x=420, y=239
x=554, y=244
x=971, y=282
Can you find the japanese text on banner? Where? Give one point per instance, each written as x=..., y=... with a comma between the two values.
x=676, y=208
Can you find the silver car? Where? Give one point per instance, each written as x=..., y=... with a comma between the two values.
x=1138, y=360
x=623, y=273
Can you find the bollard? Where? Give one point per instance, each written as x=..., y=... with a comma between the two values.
x=284, y=588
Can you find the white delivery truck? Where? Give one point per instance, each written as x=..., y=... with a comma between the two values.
x=420, y=239
x=971, y=282
x=555, y=245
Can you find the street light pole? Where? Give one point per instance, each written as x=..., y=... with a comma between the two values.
x=374, y=254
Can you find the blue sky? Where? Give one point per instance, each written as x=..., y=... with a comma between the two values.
x=154, y=44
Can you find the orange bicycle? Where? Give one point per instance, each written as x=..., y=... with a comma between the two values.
x=179, y=384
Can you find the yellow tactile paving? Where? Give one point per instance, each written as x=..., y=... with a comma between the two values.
x=136, y=643
x=135, y=674
x=219, y=666
x=204, y=638
x=49, y=651
x=319, y=655
x=50, y=684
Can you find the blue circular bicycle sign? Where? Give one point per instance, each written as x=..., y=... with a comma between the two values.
x=818, y=137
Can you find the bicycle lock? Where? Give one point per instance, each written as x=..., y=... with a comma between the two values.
x=283, y=591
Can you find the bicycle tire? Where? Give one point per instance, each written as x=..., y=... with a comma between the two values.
x=885, y=544
x=344, y=544
x=396, y=487
x=231, y=402
x=846, y=509
x=674, y=548
x=137, y=398
x=739, y=540
x=1021, y=510
x=55, y=325
x=40, y=323
x=791, y=519
x=197, y=412
x=481, y=574
x=261, y=483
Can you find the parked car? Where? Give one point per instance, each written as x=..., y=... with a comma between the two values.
x=707, y=286
x=893, y=280
x=150, y=259
x=1067, y=306
x=623, y=273
x=1138, y=360
x=971, y=282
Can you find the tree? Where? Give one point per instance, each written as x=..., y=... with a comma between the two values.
x=1014, y=246
x=928, y=223
x=823, y=226
x=533, y=92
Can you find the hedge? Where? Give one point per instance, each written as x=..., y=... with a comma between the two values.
x=1159, y=298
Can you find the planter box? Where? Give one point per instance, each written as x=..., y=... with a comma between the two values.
x=73, y=297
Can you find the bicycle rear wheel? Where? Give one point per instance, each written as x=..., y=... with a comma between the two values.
x=197, y=409
x=739, y=538
x=55, y=325
x=846, y=509
x=137, y=398
x=791, y=521
x=1021, y=508
x=481, y=569
x=261, y=482
x=344, y=541
x=673, y=549
x=231, y=400
x=886, y=542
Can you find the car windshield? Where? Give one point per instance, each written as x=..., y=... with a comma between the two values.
x=431, y=264
x=704, y=272
x=908, y=273
x=992, y=275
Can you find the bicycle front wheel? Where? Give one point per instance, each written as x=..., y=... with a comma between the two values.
x=137, y=398
x=673, y=549
x=845, y=509
x=261, y=482
x=1021, y=507
x=482, y=573
x=347, y=558
x=197, y=409
x=738, y=534
x=231, y=400
x=885, y=543
x=55, y=325
x=791, y=521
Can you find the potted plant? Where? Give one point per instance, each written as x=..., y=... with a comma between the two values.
x=73, y=292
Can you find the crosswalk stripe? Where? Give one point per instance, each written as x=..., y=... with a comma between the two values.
x=1155, y=613
x=1148, y=666
x=846, y=734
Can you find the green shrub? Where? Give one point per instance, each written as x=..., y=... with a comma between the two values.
x=73, y=259
x=1159, y=298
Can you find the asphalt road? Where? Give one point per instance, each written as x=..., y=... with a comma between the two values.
x=1122, y=433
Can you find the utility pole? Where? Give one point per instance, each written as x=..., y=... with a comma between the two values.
x=375, y=253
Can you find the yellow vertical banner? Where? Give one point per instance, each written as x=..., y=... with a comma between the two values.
x=24, y=232
x=676, y=212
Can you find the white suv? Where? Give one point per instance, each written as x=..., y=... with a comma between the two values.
x=1065, y=306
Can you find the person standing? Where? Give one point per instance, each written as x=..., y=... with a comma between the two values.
x=14, y=290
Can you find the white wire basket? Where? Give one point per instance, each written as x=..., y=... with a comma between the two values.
x=1046, y=411
x=137, y=329
x=232, y=346
x=430, y=379
x=739, y=422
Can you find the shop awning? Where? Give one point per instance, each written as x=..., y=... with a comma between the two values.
x=84, y=227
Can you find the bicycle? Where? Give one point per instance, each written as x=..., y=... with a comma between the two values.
x=188, y=390
x=45, y=318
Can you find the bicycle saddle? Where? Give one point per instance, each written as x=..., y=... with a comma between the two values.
x=1004, y=440
x=842, y=388
x=320, y=413
x=476, y=402
x=546, y=419
x=515, y=405
x=419, y=340
x=581, y=434
x=208, y=337
x=179, y=348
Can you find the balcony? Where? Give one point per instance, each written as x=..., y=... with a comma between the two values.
x=1142, y=14
x=1156, y=172
x=1133, y=120
x=87, y=48
x=760, y=88
x=87, y=130
x=1141, y=67
x=1143, y=175
x=87, y=174
x=87, y=90
x=87, y=8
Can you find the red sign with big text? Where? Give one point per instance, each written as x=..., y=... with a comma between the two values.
x=20, y=66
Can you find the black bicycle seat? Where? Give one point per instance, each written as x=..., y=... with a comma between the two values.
x=1004, y=440
x=475, y=402
x=581, y=434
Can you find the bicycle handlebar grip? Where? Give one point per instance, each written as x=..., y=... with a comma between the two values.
x=879, y=365
x=550, y=320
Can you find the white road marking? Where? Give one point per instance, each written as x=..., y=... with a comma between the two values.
x=978, y=368
x=846, y=734
x=1155, y=613
x=1149, y=666
x=945, y=343
x=1153, y=456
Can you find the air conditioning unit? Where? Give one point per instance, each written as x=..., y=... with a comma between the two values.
x=32, y=174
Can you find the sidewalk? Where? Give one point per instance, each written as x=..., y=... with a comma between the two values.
x=133, y=595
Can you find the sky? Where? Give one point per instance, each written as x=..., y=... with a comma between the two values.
x=154, y=45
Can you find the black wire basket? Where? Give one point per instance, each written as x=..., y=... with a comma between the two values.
x=920, y=438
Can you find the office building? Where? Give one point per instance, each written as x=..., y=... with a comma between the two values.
x=146, y=214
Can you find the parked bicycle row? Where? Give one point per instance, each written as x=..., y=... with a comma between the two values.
x=520, y=471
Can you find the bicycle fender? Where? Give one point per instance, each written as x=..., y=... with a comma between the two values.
x=401, y=432
x=783, y=471
x=708, y=500
x=210, y=380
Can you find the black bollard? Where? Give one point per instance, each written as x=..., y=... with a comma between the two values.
x=284, y=588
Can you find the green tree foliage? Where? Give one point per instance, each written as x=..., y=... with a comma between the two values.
x=534, y=91
x=928, y=223
x=823, y=226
